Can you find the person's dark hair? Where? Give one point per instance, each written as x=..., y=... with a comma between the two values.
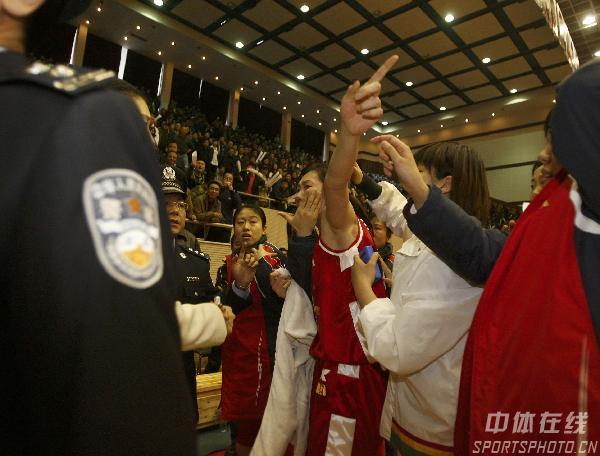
x=320, y=168
x=469, y=182
x=128, y=89
x=535, y=166
x=254, y=208
x=547, y=123
x=216, y=182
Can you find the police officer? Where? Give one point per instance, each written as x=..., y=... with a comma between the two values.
x=90, y=341
x=192, y=267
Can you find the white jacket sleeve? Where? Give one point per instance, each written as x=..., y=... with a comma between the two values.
x=388, y=208
x=200, y=325
x=406, y=336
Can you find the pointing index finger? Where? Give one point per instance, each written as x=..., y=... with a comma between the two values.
x=383, y=69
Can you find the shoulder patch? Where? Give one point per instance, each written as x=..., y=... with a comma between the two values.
x=122, y=215
x=65, y=78
x=199, y=254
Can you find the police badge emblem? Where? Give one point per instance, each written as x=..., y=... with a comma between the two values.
x=169, y=173
x=122, y=214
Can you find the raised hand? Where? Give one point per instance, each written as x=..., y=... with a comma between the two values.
x=357, y=175
x=228, y=316
x=307, y=214
x=244, y=268
x=387, y=273
x=397, y=156
x=361, y=106
x=279, y=284
x=260, y=253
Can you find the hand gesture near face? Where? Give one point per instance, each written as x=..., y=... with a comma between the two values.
x=244, y=268
x=307, y=214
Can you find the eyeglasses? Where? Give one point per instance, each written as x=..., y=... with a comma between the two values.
x=180, y=205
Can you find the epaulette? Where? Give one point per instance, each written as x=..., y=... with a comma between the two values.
x=199, y=254
x=63, y=78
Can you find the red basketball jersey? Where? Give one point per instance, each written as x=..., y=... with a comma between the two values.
x=334, y=302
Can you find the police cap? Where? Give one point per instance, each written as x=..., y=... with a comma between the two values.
x=173, y=180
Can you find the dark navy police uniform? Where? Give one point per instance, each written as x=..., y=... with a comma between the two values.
x=192, y=273
x=91, y=358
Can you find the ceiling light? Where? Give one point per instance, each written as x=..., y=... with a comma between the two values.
x=158, y=2
x=364, y=51
x=409, y=83
x=516, y=101
x=239, y=45
x=125, y=38
x=264, y=99
x=284, y=108
x=99, y=9
x=278, y=92
x=87, y=22
x=216, y=78
x=138, y=27
x=442, y=126
x=493, y=114
x=299, y=102
x=513, y=90
x=159, y=53
x=466, y=120
x=203, y=57
x=300, y=76
x=172, y=43
x=418, y=131
x=597, y=54
x=320, y=124
x=442, y=108
x=335, y=130
x=334, y=119
x=384, y=123
x=190, y=67
x=223, y=22
x=303, y=116
x=305, y=8
x=258, y=43
x=255, y=82
x=449, y=17
x=589, y=21
x=318, y=111
x=242, y=89
x=486, y=60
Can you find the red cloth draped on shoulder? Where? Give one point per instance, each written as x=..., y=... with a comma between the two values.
x=532, y=349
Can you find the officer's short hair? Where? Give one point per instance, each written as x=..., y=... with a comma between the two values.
x=126, y=88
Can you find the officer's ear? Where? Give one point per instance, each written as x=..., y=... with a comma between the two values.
x=20, y=8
